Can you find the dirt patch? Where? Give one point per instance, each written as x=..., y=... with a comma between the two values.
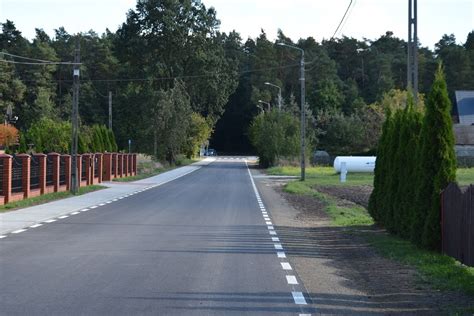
x=357, y=194
x=342, y=273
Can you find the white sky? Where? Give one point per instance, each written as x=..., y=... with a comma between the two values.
x=297, y=18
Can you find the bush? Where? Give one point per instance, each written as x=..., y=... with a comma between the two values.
x=48, y=135
x=274, y=135
x=8, y=135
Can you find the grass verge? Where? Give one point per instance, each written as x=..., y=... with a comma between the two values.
x=437, y=270
x=353, y=215
x=42, y=199
x=327, y=176
x=441, y=271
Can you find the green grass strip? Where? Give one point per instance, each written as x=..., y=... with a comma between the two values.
x=45, y=198
x=441, y=271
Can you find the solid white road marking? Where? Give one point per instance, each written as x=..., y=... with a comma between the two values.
x=298, y=298
x=268, y=223
x=291, y=279
x=286, y=266
x=278, y=246
x=36, y=225
x=272, y=232
x=270, y=227
x=281, y=254
x=275, y=239
x=50, y=221
x=18, y=231
x=64, y=216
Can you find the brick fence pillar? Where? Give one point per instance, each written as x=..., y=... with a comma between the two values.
x=54, y=157
x=7, y=177
x=25, y=175
x=42, y=171
x=125, y=165
x=107, y=167
x=134, y=164
x=119, y=165
x=67, y=167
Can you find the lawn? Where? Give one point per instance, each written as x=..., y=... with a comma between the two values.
x=327, y=176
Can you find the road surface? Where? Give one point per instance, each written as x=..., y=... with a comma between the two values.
x=202, y=244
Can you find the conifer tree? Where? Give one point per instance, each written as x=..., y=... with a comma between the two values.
x=440, y=158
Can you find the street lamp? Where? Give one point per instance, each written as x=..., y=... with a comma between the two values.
x=303, y=110
x=279, y=93
x=266, y=103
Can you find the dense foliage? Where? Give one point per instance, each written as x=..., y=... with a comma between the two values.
x=415, y=162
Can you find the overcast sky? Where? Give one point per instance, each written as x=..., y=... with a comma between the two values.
x=297, y=18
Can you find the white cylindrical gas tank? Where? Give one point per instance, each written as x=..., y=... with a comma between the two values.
x=355, y=164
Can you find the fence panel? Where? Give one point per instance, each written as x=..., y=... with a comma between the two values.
x=17, y=175
x=458, y=223
x=83, y=168
x=62, y=170
x=34, y=173
x=96, y=166
x=49, y=171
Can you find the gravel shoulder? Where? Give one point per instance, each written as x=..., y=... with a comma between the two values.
x=341, y=272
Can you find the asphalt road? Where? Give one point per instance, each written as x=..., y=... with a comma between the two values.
x=198, y=245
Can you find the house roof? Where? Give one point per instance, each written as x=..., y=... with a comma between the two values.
x=465, y=106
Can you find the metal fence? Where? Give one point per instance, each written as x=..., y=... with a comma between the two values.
x=114, y=165
x=62, y=170
x=17, y=175
x=457, y=218
x=49, y=171
x=83, y=169
x=34, y=173
x=96, y=166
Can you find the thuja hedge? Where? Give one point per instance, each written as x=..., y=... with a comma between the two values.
x=415, y=162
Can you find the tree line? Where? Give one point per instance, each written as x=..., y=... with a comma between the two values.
x=176, y=79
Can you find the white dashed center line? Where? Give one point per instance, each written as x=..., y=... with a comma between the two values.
x=278, y=246
x=36, y=225
x=281, y=254
x=50, y=221
x=64, y=216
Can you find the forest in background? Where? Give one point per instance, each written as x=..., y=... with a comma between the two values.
x=174, y=76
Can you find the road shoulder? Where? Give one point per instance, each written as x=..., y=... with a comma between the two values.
x=341, y=272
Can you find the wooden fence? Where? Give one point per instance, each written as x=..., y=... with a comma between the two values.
x=457, y=220
x=23, y=176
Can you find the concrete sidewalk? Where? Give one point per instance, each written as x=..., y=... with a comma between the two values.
x=18, y=219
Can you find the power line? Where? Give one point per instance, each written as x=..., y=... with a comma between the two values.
x=34, y=61
x=342, y=20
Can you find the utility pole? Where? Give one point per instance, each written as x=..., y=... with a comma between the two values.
x=75, y=117
x=303, y=109
x=412, y=62
x=110, y=110
x=303, y=119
